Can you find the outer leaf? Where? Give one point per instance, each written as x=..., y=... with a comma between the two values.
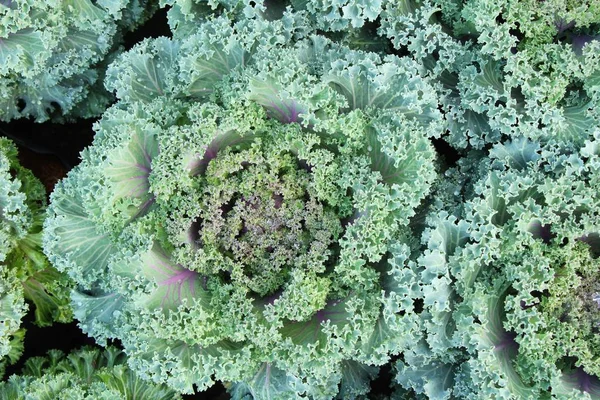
x=48, y=290
x=97, y=311
x=386, y=86
x=268, y=383
x=75, y=235
x=146, y=72
x=435, y=380
x=356, y=378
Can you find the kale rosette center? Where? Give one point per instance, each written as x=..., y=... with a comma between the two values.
x=260, y=212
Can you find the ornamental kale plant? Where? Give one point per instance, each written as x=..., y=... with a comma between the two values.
x=86, y=373
x=233, y=217
x=304, y=198
x=537, y=62
x=510, y=283
x=25, y=273
x=492, y=82
x=53, y=54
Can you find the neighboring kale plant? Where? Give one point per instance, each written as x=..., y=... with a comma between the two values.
x=510, y=284
x=87, y=373
x=25, y=274
x=495, y=83
x=53, y=54
x=233, y=218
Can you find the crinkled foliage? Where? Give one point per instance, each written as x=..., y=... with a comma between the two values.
x=235, y=216
x=25, y=273
x=250, y=209
x=86, y=373
x=53, y=55
x=510, y=286
x=497, y=75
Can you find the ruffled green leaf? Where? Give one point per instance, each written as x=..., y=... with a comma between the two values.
x=87, y=373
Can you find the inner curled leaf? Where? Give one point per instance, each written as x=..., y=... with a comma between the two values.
x=260, y=212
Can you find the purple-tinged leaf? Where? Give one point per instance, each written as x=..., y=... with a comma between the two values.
x=506, y=342
x=193, y=234
x=578, y=379
x=144, y=207
x=542, y=232
x=592, y=240
x=308, y=332
x=579, y=41
x=354, y=217
x=562, y=25
x=282, y=109
x=198, y=163
x=277, y=200
x=175, y=284
x=504, y=345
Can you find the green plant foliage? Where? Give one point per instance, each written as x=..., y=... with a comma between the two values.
x=290, y=197
x=25, y=273
x=87, y=373
x=233, y=219
x=53, y=55
x=510, y=287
